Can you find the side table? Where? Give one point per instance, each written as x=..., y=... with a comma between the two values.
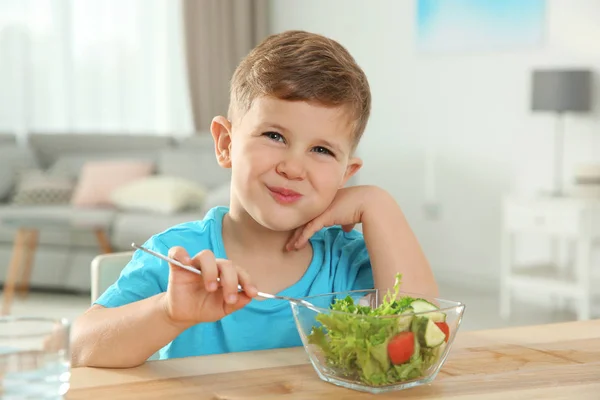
x=560, y=219
x=25, y=245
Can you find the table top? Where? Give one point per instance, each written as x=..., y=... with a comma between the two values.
x=42, y=222
x=556, y=361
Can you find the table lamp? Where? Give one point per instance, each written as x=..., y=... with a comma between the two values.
x=561, y=91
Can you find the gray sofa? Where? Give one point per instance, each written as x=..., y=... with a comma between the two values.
x=63, y=256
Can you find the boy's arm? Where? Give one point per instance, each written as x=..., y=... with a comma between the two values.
x=393, y=247
x=122, y=337
x=127, y=323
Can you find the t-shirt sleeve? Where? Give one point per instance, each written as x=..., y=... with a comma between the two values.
x=350, y=261
x=144, y=276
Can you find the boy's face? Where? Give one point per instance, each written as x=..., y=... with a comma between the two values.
x=288, y=159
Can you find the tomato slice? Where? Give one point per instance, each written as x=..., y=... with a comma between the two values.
x=444, y=328
x=401, y=347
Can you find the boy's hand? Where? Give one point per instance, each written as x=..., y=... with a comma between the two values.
x=346, y=209
x=192, y=299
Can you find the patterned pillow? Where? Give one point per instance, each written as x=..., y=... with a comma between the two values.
x=38, y=187
x=14, y=160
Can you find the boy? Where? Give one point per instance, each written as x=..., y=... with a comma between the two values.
x=299, y=104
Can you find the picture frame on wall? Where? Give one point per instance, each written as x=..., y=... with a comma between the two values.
x=466, y=26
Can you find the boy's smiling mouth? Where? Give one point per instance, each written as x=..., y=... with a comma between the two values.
x=283, y=195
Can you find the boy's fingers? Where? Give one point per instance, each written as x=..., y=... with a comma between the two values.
x=309, y=230
x=348, y=228
x=205, y=261
x=229, y=281
x=242, y=301
x=244, y=279
x=180, y=254
x=290, y=244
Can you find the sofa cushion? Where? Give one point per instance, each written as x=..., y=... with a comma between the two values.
x=99, y=179
x=7, y=139
x=218, y=196
x=201, y=139
x=13, y=159
x=196, y=164
x=50, y=266
x=49, y=146
x=55, y=267
x=131, y=226
x=159, y=194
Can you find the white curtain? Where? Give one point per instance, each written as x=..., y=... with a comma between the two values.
x=115, y=66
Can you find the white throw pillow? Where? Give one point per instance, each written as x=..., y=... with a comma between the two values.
x=160, y=194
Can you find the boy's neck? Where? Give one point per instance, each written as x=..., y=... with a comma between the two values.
x=240, y=228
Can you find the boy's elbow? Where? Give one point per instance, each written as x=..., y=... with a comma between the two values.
x=89, y=348
x=81, y=351
x=85, y=351
x=79, y=358
x=85, y=339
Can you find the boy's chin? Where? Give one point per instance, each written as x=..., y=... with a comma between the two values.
x=277, y=225
x=280, y=222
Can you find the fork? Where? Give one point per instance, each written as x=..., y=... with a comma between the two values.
x=197, y=271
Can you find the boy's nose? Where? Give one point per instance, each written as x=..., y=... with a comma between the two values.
x=291, y=168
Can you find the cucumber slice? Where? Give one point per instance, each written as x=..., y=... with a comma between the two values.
x=417, y=350
x=404, y=321
x=417, y=324
x=430, y=335
x=422, y=306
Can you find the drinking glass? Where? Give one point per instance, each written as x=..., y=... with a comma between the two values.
x=34, y=358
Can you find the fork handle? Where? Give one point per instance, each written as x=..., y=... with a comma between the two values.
x=192, y=269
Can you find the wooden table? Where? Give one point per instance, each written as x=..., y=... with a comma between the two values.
x=558, y=361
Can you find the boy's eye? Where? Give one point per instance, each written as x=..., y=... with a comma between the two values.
x=322, y=150
x=274, y=136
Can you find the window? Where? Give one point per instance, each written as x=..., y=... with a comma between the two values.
x=93, y=66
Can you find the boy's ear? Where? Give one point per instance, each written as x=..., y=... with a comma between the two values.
x=220, y=129
x=354, y=164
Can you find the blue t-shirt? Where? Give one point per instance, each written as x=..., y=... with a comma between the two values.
x=340, y=262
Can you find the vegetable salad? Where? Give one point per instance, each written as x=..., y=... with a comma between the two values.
x=394, y=347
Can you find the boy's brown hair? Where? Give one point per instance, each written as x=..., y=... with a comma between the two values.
x=302, y=66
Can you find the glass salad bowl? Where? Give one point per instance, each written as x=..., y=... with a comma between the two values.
x=377, y=341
